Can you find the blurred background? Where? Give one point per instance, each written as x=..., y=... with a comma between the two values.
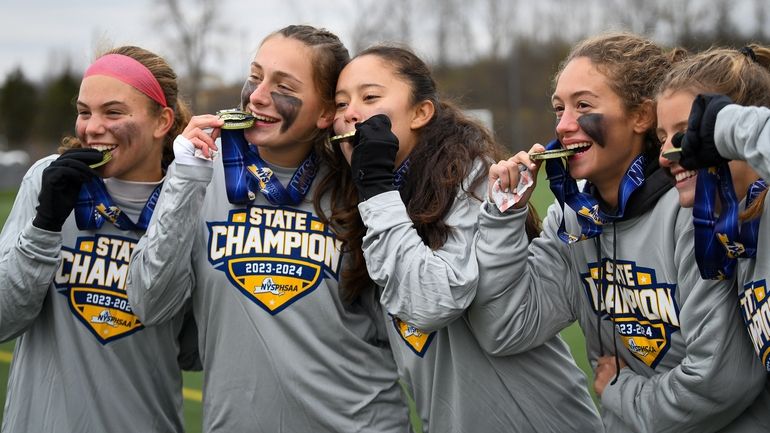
x=494, y=57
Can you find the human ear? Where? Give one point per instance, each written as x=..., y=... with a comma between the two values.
x=325, y=120
x=165, y=122
x=423, y=112
x=644, y=117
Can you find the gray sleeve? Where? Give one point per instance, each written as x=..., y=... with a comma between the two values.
x=160, y=277
x=718, y=377
x=525, y=294
x=744, y=133
x=423, y=287
x=29, y=258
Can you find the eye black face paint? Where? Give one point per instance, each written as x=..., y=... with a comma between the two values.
x=593, y=125
x=248, y=88
x=288, y=107
x=125, y=132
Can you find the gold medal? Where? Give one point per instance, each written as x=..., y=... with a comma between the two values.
x=106, y=157
x=551, y=154
x=236, y=119
x=674, y=154
x=343, y=136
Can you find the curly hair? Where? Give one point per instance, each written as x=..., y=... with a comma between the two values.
x=632, y=65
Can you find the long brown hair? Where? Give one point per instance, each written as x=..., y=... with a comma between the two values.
x=448, y=146
x=168, y=83
x=742, y=75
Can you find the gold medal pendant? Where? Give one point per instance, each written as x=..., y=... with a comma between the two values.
x=235, y=119
x=340, y=137
x=551, y=154
x=106, y=157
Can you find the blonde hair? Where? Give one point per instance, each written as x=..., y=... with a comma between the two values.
x=742, y=75
x=632, y=64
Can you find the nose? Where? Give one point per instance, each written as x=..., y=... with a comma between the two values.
x=94, y=125
x=567, y=123
x=260, y=96
x=351, y=114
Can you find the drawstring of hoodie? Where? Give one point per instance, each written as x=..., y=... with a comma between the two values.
x=601, y=287
x=615, y=290
x=598, y=244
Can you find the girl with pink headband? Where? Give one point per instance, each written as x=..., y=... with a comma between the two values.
x=83, y=361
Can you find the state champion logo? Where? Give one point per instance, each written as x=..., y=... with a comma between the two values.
x=92, y=276
x=645, y=312
x=273, y=256
x=417, y=340
x=755, y=310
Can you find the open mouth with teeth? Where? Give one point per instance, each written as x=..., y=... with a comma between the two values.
x=683, y=175
x=578, y=148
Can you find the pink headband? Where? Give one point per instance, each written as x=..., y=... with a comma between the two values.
x=129, y=71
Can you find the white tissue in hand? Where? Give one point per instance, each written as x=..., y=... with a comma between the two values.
x=504, y=200
x=212, y=152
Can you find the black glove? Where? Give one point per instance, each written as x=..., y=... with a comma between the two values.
x=61, y=185
x=698, y=147
x=374, y=156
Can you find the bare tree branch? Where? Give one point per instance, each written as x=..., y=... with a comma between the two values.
x=191, y=30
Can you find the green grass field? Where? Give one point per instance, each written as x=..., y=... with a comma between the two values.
x=192, y=381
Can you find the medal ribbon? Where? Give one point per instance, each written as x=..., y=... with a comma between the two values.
x=720, y=240
x=589, y=214
x=246, y=173
x=750, y=229
x=94, y=206
x=400, y=175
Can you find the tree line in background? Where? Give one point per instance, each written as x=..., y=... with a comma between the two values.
x=499, y=55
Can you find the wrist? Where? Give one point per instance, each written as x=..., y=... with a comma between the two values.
x=185, y=153
x=47, y=224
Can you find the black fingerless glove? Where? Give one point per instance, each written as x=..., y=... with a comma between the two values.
x=374, y=156
x=61, y=185
x=698, y=147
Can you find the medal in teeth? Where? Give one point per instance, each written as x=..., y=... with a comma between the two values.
x=236, y=119
x=106, y=157
x=348, y=134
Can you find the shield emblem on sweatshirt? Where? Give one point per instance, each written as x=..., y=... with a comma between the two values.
x=274, y=256
x=647, y=343
x=273, y=283
x=107, y=314
x=417, y=340
x=93, y=276
x=644, y=311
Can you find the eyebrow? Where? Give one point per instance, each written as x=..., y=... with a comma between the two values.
x=677, y=126
x=361, y=87
x=279, y=74
x=106, y=104
x=577, y=94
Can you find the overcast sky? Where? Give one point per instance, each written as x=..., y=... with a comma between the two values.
x=40, y=35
